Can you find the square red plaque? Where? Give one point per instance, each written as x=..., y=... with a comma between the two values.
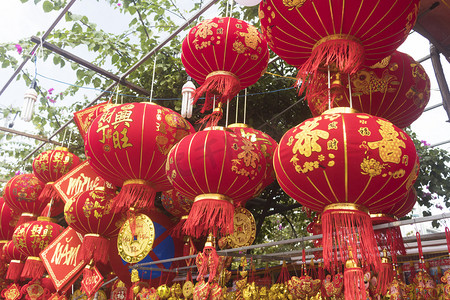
x=91, y=284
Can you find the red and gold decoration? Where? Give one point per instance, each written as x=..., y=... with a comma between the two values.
x=31, y=238
x=396, y=88
x=48, y=167
x=12, y=292
x=90, y=214
x=16, y=261
x=128, y=145
x=218, y=169
x=178, y=206
x=92, y=280
x=84, y=118
x=244, y=228
x=8, y=220
x=224, y=56
x=21, y=193
x=344, y=164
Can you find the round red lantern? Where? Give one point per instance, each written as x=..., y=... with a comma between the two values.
x=128, y=145
x=33, y=237
x=176, y=204
x=315, y=34
x=264, y=142
x=48, y=167
x=397, y=89
x=16, y=261
x=90, y=214
x=22, y=195
x=216, y=168
x=8, y=220
x=344, y=164
x=224, y=56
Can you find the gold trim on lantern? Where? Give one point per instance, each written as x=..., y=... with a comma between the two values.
x=379, y=215
x=92, y=234
x=16, y=261
x=337, y=36
x=48, y=219
x=25, y=214
x=34, y=258
x=346, y=206
x=134, y=181
x=184, y=217
x=221, y=73
x=3, y=241
x=239, y=125
x=213, y=197
x=50, y=182
x=340, y=110
x=62, y=148
x=221, y=128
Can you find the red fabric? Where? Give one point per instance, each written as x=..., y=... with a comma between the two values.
x=96, y=248
x=83, y=118
x=175, y=203
x=8, y=220
x=50, y=165
x=22, y=192
x=15, y=268
x=342, y=157
x=354, y=288
x=131, y=141
x=447, y=236
x=12, y=253
x=224, y=44
x=33, y=268
x=396, y=88
x=385, y=277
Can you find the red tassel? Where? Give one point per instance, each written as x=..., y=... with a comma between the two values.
x=48, y=193
x=447, y=236
x=385, y=276
x=348, y=226
x=177, y=230
x=353, y=280
x=25, y=218
x=213, y=118
x=284, y=274
x=208, y=215
x=135, y=193
x=209, y=261
x=390, y=238
x=224, y=85
x=14, y=270
x=34, y=268
x=95, y=247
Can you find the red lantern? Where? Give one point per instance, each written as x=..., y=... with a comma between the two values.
x=16, y=261
x=48, y=167
x=224, y=56
x=396, y=88
x=216, y=168
x=343, y=35
x=343, y=165
x=8, y=220
x=175, y=203
x=90, y=214
x=128, y=145
x=31, y=238
x=264, y=142
x=22, y=195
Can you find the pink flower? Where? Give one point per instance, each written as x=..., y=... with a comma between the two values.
x=51, y=99
x=119, y=4
x=19, y=48
x=18, y=172
x=50, y=91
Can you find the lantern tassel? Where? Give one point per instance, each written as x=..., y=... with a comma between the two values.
x=135, y=193
x=386, y=274
x=213, y=118
x=208, y=260
x=353, y=279
x=210, y=213
x=177, y=230
x=34, y=268
x=26, y=217
x=95, y=247
x=49, y=192
x=14, y=270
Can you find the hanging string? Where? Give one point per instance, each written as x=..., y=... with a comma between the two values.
x=237, y=108
x=245, y=104
x=117, y=93
x=64, y=138
x=419, y=246
x=231, y=8
x=329, y=88
x=153, y=79
x=350, y=91
x=228, y=111
x=70, y=139
x=447, y=236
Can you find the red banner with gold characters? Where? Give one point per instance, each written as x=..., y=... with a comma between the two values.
x=61, y=259
x=82, y=178
x=84, y=118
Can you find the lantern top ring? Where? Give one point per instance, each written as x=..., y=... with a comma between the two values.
x=213, y=197
x=340, y=110
x=92, y=234
x=48, y=219
x=342, y=207
x=337, y=36
x=185, y=217
x=26, y=214
x=135, y=181
x=3, y=241
x=239, y=125
x=34, y=258
x=221, y=73
x=16, y=261
x=62, y=148
x=217, y=128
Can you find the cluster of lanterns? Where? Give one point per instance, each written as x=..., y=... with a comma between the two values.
x=351, y=163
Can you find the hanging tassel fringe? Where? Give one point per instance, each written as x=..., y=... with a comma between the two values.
x=177, y=230
x=95, y=247
x=14, y=270
x=208, y=215
x=222, y=84
x=137, y=193
x=208, y=260
x=390, y=238
x=213, y=118
x=284, y=274
x=34, y=268
x=25, y=218
x=354, y=288
x=385, y=276
x=48, y=193
x=348, y=226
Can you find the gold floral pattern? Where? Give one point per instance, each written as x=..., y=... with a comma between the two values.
x=371, y=167
x=293, y=4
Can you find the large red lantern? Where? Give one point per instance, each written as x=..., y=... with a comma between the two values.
x=315, y=34
x=216, y=168
x=48, y=167
x=397, y=89
x=343, y=165
x=31, y=238
x=90, y=214
x=22, y=195
x=16, y=261
x=128, y=145
x=224, y=55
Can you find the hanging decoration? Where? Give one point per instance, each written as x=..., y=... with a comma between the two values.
x=396, y=88
x=17, y=261
x=142, y=135
x=224, y=55
x=218, y=169
x=342, y=165
x=178, y=206
x=187, y=92
x=8, y=220
x=84, y=118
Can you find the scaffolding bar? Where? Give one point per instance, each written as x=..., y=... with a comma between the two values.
x=33, y=136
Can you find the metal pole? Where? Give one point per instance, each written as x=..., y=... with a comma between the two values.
x=32, y=136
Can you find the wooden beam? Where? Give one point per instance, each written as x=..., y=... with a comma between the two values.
x=440, y=77
x=31, y=136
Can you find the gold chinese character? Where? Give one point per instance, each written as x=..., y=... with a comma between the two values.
x=122, y=116
x=389, y=146
x=332, y=144
x=307, y=139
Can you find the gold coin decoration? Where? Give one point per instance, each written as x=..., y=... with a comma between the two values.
x=188, y=289
x=134, y=248
x=244, y=228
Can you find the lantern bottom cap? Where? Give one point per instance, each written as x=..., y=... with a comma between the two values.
x=346, y=206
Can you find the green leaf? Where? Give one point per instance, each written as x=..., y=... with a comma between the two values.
x=47, y=6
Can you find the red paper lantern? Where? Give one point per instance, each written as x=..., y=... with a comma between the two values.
x=341, y=34
x=264, y=142
x=16, y=261
x=224, y=56
x=22, y=195
x=31, y=238
x=343, y=165
x=216, y=168
x=128, y=145
x=90, y=214
x=48, y=167
x=396, y=88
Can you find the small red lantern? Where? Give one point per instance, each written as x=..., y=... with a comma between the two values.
x=343, y=165
x=48, y=167
x=128, y=145
x=22, y=195
x=8, y=220
x=31, y=238
x=16, y=261
x=90, y=214
x=216, y=168
x=224, y=56
x=397, y=89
